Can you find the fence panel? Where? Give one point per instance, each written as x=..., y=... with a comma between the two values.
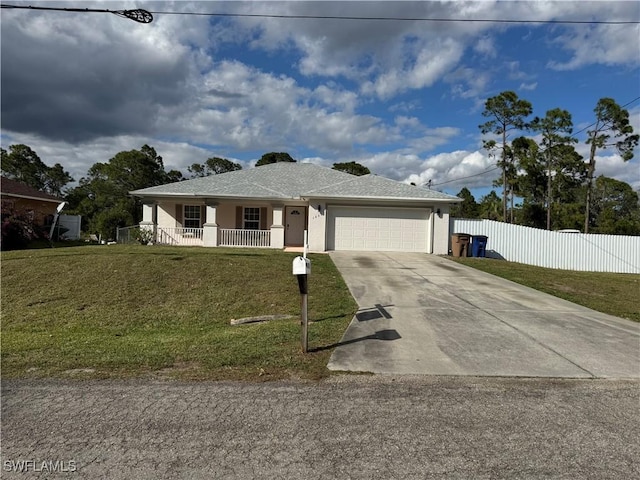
x=244, y=238
x=179, y=236
x=566, y=251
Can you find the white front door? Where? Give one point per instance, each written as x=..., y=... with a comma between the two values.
x=295, y=221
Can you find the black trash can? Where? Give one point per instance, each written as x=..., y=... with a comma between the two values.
x=479, y=245
x=460, y=244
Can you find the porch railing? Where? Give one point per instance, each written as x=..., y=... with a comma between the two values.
x=244, y=238
x=179, y=236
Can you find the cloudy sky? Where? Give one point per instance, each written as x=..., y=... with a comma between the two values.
x=403, y=97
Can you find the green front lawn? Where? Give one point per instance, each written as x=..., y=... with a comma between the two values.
x=613, y=293
x=119, y=311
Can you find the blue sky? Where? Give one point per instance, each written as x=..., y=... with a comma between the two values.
x=402, y=97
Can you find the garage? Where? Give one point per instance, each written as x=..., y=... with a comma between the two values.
x=378, y=229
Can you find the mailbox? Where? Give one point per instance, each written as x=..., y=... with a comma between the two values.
x=301, y=266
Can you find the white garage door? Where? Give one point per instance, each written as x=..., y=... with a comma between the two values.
x=382, y=229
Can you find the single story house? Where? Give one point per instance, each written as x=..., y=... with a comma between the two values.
x=22, y=197
x=273, y=205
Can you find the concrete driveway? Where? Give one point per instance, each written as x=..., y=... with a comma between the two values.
x=422, y=314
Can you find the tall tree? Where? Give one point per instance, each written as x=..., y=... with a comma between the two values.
x=611, y=121
x=556, y=128
x=353, y=168
x=24, y=165
x=507, y=112
x=102, y=197
x=528, y=181
x=615, y=207
x=56, y=179
x=274, y=157
x=213, y=166
x=468, y=208
x=490, y=206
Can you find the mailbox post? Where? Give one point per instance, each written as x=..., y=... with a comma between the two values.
x=302, y=269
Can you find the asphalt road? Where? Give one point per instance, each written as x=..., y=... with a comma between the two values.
x=359, y=427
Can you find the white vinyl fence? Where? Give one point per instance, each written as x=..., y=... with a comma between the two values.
x=72, y=223
x=566, y=251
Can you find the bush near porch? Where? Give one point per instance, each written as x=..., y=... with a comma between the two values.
x=126, y=310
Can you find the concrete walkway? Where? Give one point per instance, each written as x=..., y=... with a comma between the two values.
x=422, y=314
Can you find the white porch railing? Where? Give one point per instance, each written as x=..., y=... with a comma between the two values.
x=179, y=236
x=244, y=238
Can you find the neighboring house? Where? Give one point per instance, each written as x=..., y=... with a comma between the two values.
x=23, y=197
x=272, y=206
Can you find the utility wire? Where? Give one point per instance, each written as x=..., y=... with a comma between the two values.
x=402, y=19
x=589, y=126
x=464, y=178
x=137, y=15
x=333, y=17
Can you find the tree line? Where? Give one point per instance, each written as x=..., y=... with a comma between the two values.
x=102, y=196
x=556, y=184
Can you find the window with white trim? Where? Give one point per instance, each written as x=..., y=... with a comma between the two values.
x=251, y=218
x=191, y=217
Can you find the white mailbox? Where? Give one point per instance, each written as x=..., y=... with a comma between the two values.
x=301, y=266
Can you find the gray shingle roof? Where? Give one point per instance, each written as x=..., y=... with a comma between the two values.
x=286, y=180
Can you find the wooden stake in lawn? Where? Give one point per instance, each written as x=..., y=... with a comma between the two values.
x=301, y=269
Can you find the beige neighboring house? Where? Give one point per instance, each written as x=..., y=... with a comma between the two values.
x=25, y=198
x=272, y=205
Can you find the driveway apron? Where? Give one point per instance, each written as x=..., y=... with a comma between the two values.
x=423, y=314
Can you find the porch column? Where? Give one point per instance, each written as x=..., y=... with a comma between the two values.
x=277, y=229
x=210, y=227
x=148, y=215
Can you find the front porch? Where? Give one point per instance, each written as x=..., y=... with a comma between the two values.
x=227, y=237
x=225, y=224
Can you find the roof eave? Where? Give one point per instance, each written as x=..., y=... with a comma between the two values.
x=201, y=196
x=28, y=197
x=386, y=199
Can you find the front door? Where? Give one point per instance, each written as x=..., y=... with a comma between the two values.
x=295, y=220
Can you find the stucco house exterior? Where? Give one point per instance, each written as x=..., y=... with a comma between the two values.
x=272, y=206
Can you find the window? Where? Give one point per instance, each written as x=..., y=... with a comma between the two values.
x=192, y=216
x=251, y=218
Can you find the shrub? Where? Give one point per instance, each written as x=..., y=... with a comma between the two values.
x=18, y=228
x=142, y=235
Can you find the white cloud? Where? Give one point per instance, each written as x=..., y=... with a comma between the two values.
x=455, y=169
x=528, y=86
x=435, y=59
x=101, y=85
x=604, y=44
x=467, y=82
x=485, y=46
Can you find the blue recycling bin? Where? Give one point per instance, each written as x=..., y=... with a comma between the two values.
x=479, y=245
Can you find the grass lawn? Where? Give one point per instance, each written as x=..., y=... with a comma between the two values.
x=122, y=311
x=613, y=293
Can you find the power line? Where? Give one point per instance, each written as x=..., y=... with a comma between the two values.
x=137, y=15
x=589, y=126
x=464, y=178
x=404, y=19
x=332, y=17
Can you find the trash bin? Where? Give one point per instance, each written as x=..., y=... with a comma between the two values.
x=479, y=245
x=460, y=244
